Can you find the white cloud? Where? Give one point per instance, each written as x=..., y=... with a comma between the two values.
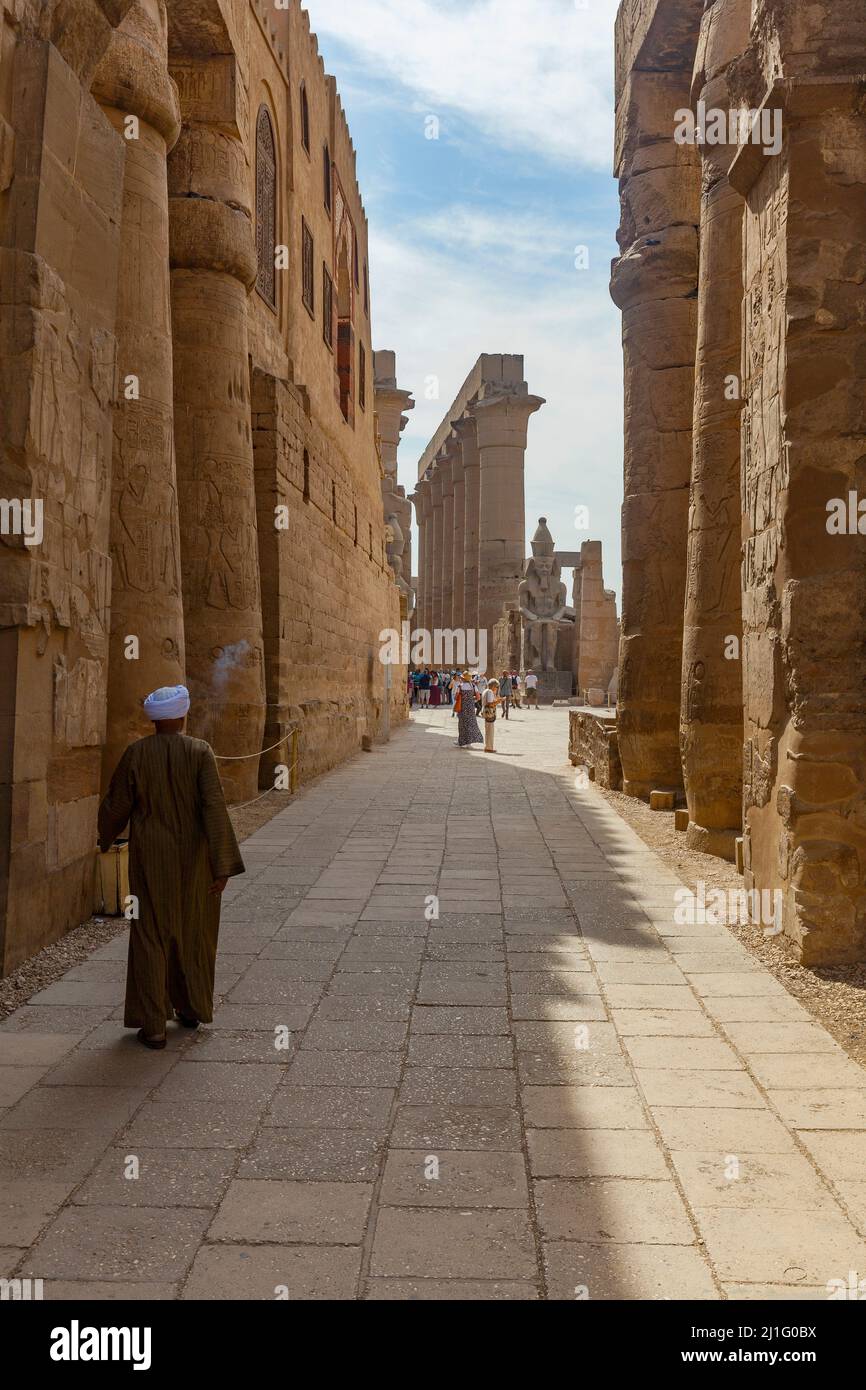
x=531, y=75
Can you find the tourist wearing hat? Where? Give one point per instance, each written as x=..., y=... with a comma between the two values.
x=468, y=731
x=182, y=852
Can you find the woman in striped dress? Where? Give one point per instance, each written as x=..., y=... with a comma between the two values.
x=468, y=731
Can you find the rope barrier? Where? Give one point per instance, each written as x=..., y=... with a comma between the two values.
x=243, y=804
x=243, y=757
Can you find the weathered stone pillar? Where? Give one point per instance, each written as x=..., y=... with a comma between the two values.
x=428, y=562
x=655, y=284
x=711, y=728
x=421, y=498
x=213, y=268
x=444, y=468
x=467, y=434
x=391, y=403
x=803, y=451
x=436, y=557
x=502, y=422
x=146, y=647
x=458, y=603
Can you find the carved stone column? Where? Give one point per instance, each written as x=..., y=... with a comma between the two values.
x=655, y=285
x=146, y=647
x=421, y=499
x=467, y=433
x=502, y=422
x=436, y=555
x=459, y=480
x=803, y=430
x=428, y=564
x=391, y=403
x=444, y=467
x=711, y=728
x=213, y=268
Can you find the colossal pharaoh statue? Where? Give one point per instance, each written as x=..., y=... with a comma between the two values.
x=543, y=602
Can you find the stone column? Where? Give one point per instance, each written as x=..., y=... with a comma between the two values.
x=458, y=604
x=711, y=714
x=213, y=268
x=803, y=428
x=436, y=555
x=502, y=422
x=444, y=467
x=146, y=646
x=655, y=285
x=577, y=604
x=467, y=434
x=421, y=498
x=428, y=562
x=391, y=403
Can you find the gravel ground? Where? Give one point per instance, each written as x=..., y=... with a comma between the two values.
x=52, y=963
x=834, y=995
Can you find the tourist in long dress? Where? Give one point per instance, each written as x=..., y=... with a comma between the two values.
x=435, y=690
x=182, y=852
x=468, y=731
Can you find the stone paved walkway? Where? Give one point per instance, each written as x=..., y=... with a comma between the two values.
x=550, y=1088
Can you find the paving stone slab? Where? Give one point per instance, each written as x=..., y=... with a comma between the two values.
x=468, y=1020
x=576, y=1270
x=613, y=1209
x=731, y=1130
x=280, y=1212
x=456, y=1245
x=156, y=1244
x=457, y=1178
x=192, y=1125
x=808, y=1247
x=27, y=1205
x=438, y=1127
x=346, y=1068
x=595, y=1153
x=460, y=1051
x=313, y=1155
x=331, y=1107
x=753, y=1181
x=293, y=1272
x=483, y=1086
x=583, y=1107
x=449, y=1290
x=161, y=1178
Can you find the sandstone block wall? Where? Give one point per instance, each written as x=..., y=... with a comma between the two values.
x=593, y=743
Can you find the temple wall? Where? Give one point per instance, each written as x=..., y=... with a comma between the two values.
x=327, y=595
x=140, y=255
x=63, y=186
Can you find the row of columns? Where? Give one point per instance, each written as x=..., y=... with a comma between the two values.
x=471, y=521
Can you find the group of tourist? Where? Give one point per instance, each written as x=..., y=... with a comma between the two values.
x=430, y=689
x=470, y=695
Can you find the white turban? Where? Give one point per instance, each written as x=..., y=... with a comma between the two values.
x=169, y=702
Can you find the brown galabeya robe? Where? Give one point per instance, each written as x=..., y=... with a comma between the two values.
x=167, y=788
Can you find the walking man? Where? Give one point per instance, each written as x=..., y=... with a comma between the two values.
x=532, y=689
x=182, y=852
x=505, y=692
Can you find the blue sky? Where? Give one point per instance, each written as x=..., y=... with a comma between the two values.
x=473, y=235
